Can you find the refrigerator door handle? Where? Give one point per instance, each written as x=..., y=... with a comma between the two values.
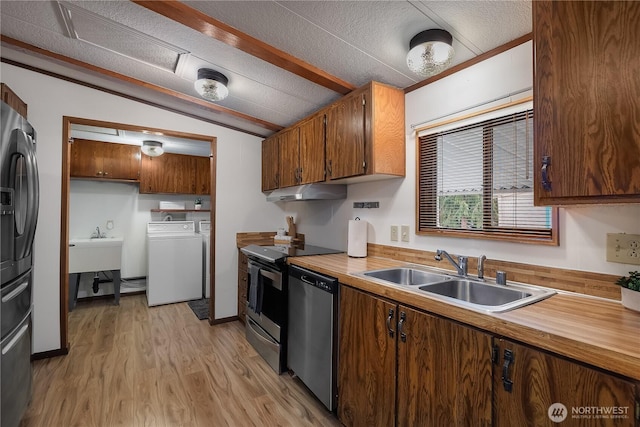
x=24, y=147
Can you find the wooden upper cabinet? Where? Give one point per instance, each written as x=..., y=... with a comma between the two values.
x=10, y=98
x=312, y=146
x=301, y=153
x=346, y=137
x=202, y=175
x=537, y=380
x=365, y=134
x=289, y=157
x=270, y=160
x=586, y=101
x=169, y=173
x=104, y=160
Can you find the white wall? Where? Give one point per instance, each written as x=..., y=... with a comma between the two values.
x=240, y=206
x=582, y=229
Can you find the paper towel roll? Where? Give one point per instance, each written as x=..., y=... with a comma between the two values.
x=357, y=239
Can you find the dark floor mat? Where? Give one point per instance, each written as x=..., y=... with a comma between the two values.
x=200, y=308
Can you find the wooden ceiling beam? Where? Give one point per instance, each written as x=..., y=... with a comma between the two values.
x=203, y=23
x=140, y=83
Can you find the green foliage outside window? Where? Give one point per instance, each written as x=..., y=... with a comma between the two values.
x=464, y=211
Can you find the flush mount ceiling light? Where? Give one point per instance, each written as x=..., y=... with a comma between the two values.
x=152, y=148
x=211, y=85
x=430, y=52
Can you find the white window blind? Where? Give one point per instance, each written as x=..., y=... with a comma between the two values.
x=477, y=178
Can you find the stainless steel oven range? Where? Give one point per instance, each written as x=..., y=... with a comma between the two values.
x=267, y=297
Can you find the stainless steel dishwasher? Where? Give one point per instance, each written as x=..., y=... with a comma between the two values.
x=313, y=332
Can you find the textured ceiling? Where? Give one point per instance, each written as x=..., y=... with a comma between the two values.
x=355, y=41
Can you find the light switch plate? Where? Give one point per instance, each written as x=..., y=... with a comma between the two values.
x=394, y=233
x=623, y=248
x=404, y=233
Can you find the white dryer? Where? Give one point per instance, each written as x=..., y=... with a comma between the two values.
x=205, y=232
x=174, y=262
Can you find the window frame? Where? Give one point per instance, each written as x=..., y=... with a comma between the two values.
x=430, y=187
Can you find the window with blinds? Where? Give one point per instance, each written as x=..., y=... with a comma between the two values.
x=477, y=180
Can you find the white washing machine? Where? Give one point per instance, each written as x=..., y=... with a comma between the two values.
x=205, y=232
x=174, y=262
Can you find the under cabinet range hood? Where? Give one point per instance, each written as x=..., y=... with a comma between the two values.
x=309, y=192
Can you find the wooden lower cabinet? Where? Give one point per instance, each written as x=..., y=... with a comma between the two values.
x=402, y=367
x=444, y=372
x=242, y=285
x=366, y=361
x=399, y=366
x=538, y=380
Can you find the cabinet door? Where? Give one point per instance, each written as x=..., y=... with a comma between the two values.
x=120, y=161
x=367, y=360
x=312, y=143
x=289, y=157
x=270, y=159
x=169, y=173
x=586, y=101
x=85, y=159
x=12, y=100
x=444, y=372
x=539, y=380
x=345, y=138
x=242, y=286
x=202, y=175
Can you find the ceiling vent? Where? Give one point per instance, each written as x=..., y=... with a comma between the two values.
x=104, y=33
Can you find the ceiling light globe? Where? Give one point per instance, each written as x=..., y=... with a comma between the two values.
x=431, y=52
x=152, y=148
x=211, y=85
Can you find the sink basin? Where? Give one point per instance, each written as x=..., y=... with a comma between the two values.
x=406, y=276
x=462, y=291
x=95, y=254
x=486, y=296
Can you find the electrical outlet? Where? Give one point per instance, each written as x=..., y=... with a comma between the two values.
x=394, y=233
x=404, y=233
x=623, y=248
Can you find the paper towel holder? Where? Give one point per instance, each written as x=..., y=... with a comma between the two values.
x=357, y=238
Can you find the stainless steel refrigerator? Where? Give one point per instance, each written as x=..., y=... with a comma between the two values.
x=19, y=214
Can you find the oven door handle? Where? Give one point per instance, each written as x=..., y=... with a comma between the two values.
x=259, y=334
x=275, y=277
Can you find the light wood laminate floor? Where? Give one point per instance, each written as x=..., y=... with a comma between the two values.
x=138, y=366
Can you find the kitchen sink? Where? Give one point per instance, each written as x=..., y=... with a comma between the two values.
x=406, y=276
x=467, y=292
x=487, y=296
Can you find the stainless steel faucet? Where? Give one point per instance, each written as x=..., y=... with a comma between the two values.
x=97, y=234
x=481, y=260
x=461, y=265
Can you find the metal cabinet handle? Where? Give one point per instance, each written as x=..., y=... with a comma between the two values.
x=17, y=291
x=329, y=168
x=546, y=162
x=389, y=319
x=508, y=359
x=403, y=336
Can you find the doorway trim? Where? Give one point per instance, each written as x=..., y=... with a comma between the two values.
x=64, y=209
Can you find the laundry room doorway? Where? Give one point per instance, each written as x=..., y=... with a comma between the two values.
x=113, y=178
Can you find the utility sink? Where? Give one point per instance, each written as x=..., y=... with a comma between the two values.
x=469, y=293
x=95, y=254
x=406, y=276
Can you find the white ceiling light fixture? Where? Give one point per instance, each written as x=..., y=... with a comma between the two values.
x=152, y=148
x=211, y=85
x=430, y=52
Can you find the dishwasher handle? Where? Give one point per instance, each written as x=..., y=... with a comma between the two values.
x=311, y=278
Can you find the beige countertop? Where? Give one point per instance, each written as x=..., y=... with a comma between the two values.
x=593, y=330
